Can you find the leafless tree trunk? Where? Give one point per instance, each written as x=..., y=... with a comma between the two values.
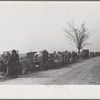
x=78, y=36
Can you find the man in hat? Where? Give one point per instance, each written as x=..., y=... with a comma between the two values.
x=12, y=65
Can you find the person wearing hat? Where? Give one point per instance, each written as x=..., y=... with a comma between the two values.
x=12, y=65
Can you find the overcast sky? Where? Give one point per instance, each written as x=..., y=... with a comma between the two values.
x=34, y=26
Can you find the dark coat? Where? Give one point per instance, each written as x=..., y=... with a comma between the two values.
x=12, y=65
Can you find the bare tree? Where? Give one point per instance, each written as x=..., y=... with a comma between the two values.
x=78, y=36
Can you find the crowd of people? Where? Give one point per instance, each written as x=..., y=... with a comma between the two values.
x=11, y=64
x=47, y=60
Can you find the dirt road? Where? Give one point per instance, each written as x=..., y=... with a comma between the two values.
x=83, y=72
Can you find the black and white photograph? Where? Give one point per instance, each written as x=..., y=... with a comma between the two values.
x=49, y=43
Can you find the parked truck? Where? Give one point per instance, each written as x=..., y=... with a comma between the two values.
x=85, y=53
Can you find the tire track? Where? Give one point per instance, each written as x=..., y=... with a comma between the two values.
x=75, y=75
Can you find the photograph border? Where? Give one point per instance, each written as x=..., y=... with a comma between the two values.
x=19, y=92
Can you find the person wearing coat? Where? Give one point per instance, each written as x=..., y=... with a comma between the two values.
x=12, y=65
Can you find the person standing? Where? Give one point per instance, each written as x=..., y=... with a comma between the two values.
x=12, y=65
x=45, y=59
